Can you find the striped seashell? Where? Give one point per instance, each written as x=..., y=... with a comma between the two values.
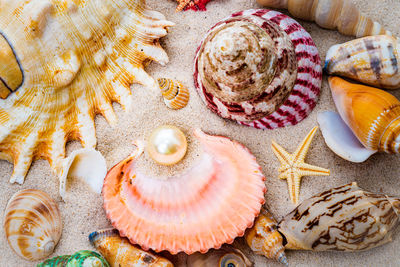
x=260, y=68
x=63, y=62
x=176, y=95
x=226, y=256
x=119, y=252
x=342, y=15
x=374, y=60
x=264, y=238
x=183, y=213
x=345, y=218
x=192, y=4
x=32, y=223
x=83, y=258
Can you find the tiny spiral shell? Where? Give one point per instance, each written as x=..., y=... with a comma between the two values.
x=264, y=238
x=176, y=95
x=32, y=224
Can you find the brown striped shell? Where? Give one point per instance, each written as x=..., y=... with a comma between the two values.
x=345, y=218
x=176, y=95
x=32, y=223
x=226, y=256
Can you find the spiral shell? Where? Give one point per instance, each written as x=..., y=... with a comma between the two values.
x=119, y=252
x=192, y=4
x=32, y=223
x=374, y=60
x=224, y=257
x=260, y=68
x=176, y=95
x=342, y=15
x=345, y=218
x=264, y=238
x=372, y=114
x=83, y=258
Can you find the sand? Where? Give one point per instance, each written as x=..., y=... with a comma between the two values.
x=82, y=210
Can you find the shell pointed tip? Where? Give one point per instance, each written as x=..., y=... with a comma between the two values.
x=282, y=259
x=92, y=237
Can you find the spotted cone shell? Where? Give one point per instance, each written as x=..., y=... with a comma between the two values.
x=63, y=62
x=32, y=224
x=193, y=211
x=260, y=68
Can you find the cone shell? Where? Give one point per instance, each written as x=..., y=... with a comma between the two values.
x=119, y=252
x=342, y=15
x=32, y=224
x=226, y=256
x=374, y=60
x=260, y=68
x=345, y=218
x=372, y=114
x=195, y=211
x=63, y=62
x=176, y=95
x=83, y=258
x=264, y=238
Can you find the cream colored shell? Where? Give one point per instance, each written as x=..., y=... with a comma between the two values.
x=68, y=60
x=32, y=224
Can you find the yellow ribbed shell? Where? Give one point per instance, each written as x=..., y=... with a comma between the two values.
x=176, y=95
x=63, y=62
x=372, y=114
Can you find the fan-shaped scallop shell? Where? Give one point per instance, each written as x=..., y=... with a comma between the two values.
x=372, y=114
x=260, y=68
x=63, y=61
x=119, y=252
x=226, y=256
x=374, y=60
x=83, y=258
x=32, y=223
x=176, y=95
x=194, y=211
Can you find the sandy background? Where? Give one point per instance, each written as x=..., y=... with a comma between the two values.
x=82, y=211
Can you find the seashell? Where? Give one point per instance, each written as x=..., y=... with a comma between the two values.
x=188, y=212
x=167, y=145
x=192, y=4
x=87, y=165
x=373, y=60
x=345, y=218
x=264, y=238
x=342, y=15
x=176, y=95
x=63, y=64
x=83, y=258
x=371, y=114
x=225, y=257
x=119, y=252
x=32, y=224
x=260, y=68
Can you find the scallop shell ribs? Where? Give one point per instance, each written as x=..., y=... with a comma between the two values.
x=260, y=68
x=63, y=62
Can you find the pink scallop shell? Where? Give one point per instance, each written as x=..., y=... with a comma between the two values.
x=211, y=204
x=303, y=97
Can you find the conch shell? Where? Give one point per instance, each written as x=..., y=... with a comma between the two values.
x=260, y=68
x=264, y=238
x=63, y=62
x=224, y=257
x=194, y=211
x=373, y=116
x=374, y=60
x=342, y=15
x=119, y=252
x=32, y=223
x=345, y=218
x=176, y=95
x=83, y=258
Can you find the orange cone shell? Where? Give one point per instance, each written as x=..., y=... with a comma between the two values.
x=211, y=204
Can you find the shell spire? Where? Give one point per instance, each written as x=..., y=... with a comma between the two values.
x=63, y=62
x=342, y=15
x=372, y=114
